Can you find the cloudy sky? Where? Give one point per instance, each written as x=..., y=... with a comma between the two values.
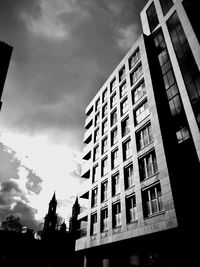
x=64, y=50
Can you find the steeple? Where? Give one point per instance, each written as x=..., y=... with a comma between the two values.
x=51, y=217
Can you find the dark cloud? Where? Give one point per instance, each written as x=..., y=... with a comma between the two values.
x=13, y=202
x=52, y=81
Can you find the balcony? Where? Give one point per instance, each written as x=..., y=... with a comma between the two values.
x=87, y=152
x=88, y=122
x=85, y=169
x=88, y=136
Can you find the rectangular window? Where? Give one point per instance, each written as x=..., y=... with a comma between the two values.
x=125, y=126
x=105, y=95
x=113, y=85
x=97, y=104
x=122, y=74
x=128, y=176
x=124, y=106
x=127, y=149
x=152, y=17
x=104, y=145
x=187, y=63
x=96, y=153
x=96, y=135
x=166, y=5
x=144, y=137
x=152, y=200
x=134, y=59
x=114, y=136
x=115, y=184
x=131, y=209
x=138, y=92
x=104, y=220
x=97, y=119
x=136, y=74
x=141, y=113
x=113, y=100
x=104, y=110
x=104, y=166
x=148, y=165
x=95, y=173
x=122, y=89
x=94, y=224
x=104, y=126
x=113, y=118
x=116, y=214
x=104, y=191
x=94, y=197
x=114, y=159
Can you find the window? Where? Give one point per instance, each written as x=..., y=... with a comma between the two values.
x=134, y=59
x=114, y=159
x=122, y=89
x=136, y=74
x=113, y=85
x=95, y=173
x=152, y=17
x=104, y=110
x=127, y=149
x=131, y=209
x=97, y=119
x=104, y=191
x=114, y=136
x=104, y=166
x=104, y=145
x=152, y=200
x=96, y=135
x=113, y=118
x=113, y=100
x=128, y=176
x=138, y=92
x=144, y=137
x=115, y=184
x=104, y=127
x=178, y=118
x=116, y=214
x=96, y=153
x=105, y=95
x=141, y=113
x=124, y=106
x=187, y=63
x=104, y=219
x=148, y=165
x=94, y=196
x=97, y=104
x=125, y=126
x=166, y=5
x=94, y=224
x=122, y=74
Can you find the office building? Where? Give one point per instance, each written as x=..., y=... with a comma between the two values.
x=5, y=55
x=142, y=149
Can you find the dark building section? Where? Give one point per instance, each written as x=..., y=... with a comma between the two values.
x=51, y=217
x=5, y=55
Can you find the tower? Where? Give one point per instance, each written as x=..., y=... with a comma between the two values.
x=73, y=223
x=51, y=217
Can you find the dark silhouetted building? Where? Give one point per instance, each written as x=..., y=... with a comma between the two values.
x=5, y=55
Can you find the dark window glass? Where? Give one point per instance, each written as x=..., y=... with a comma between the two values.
x=188, y=66
x=152, y=17
x=166, y=5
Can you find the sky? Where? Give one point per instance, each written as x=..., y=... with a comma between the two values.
x=63, y=52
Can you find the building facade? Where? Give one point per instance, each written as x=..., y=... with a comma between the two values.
x=142, y=149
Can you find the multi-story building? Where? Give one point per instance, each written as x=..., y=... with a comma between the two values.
x=5, y=55
x=142, y=149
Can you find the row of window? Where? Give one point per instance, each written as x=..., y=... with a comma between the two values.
x=152, y=204
x=139, y=114
x=122, y=74
x=147, y=168
x=137, y=93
